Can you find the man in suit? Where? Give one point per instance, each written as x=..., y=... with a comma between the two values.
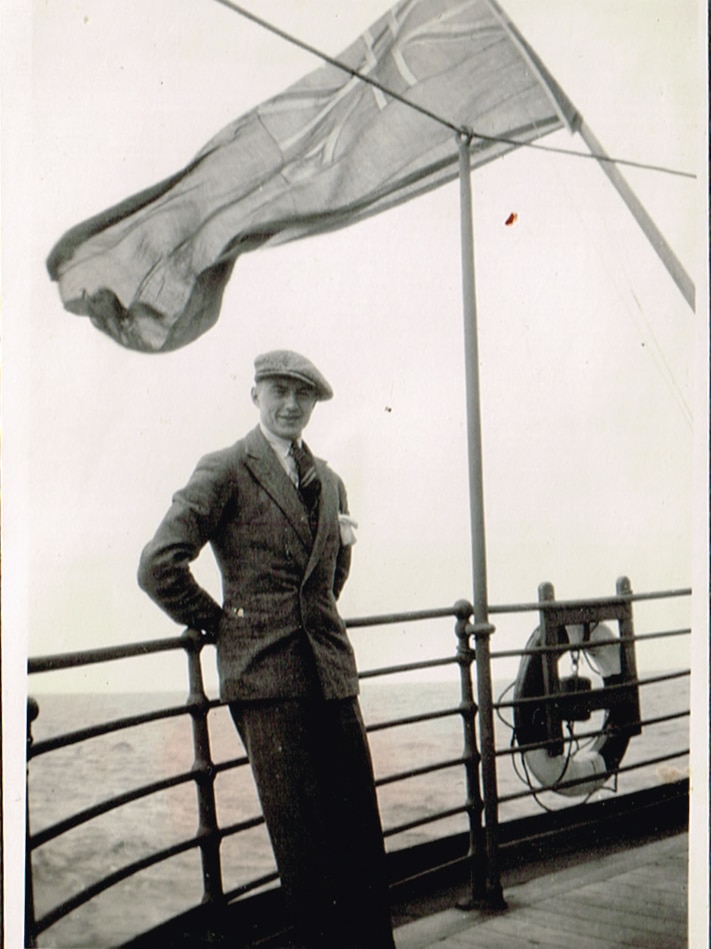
x=277, y=521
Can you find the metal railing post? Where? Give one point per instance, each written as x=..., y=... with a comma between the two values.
x=474, y=803
x=30, y=921
x=204, y=771
x=494, y=892
x=623, y=587
x=550, y=636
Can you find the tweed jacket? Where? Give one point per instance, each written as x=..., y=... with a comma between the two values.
x=278, y=631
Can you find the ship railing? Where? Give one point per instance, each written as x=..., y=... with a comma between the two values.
x=619, y=608
x=479, y=758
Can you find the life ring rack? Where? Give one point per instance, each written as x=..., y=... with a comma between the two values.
x=585, y=770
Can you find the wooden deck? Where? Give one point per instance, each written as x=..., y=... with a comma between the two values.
x=637, y=897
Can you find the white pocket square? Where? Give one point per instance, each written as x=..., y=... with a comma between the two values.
x=348, y=527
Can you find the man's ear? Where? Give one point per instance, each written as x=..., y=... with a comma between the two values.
x=255, y=395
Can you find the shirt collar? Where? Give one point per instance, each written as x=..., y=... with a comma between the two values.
x=281, y=446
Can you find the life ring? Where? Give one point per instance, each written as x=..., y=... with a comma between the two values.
x=591, y=766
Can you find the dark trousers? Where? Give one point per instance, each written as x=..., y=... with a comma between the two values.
x=313, y=771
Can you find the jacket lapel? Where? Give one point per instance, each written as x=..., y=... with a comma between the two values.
x=266, y=468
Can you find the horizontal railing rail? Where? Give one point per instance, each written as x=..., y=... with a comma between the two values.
x=590, y=698
x=204, y=771
x=106, y=728
x=408, y=667
x=198, y=706
x=419, y=772
x=411, y=616
x=107, y=882
x=572, y=647
x=565, y=785
x=606, y=690
x=534, y=606
x=86, y=657
x=580, y=736
x=251, y=886
x=105, y=807
x=414, y=719
x=424, y=821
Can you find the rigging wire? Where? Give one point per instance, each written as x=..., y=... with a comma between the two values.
x=634, y=310
x=663, y=366
x=337, y=63
x=468, y=133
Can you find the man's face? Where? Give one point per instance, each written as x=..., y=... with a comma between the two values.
x=285, y=405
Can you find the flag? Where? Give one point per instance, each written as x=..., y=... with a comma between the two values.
x=328, y=152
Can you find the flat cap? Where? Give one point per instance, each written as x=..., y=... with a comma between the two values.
x=283, y=362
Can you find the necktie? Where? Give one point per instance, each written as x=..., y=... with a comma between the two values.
x=309, y=482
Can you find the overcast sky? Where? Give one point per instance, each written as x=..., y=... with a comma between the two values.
x=587, y=348
x=586, y=345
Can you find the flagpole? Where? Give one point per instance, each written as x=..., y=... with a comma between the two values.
x=471, y=356
x=482, y=629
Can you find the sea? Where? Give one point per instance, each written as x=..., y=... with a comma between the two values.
x=79, y=776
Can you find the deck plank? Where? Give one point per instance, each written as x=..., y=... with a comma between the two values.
x=523, y=928
x=639, y=899
x=634, y=898
x=660, y=924
x=631, y=930
x=671, y=878
x=601, y=869
x=549, y=918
